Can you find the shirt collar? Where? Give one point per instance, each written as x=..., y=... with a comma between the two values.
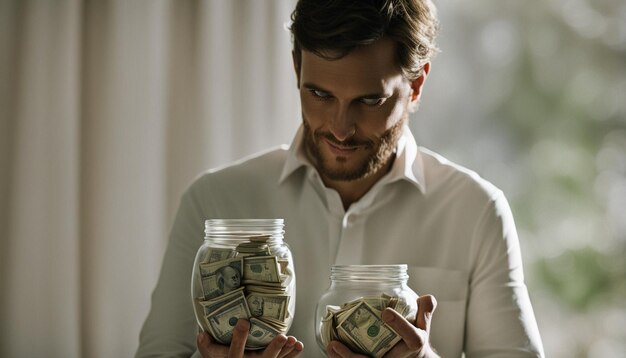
x=407, y=166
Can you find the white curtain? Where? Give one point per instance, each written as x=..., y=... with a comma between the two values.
x=108, y=109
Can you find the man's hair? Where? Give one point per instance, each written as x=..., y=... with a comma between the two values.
x=333, y=28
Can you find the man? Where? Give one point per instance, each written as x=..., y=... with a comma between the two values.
x=354, y=188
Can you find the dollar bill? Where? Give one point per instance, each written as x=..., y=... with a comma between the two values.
x=260, y=238
x=261, y=334
x=327, y=326
x=268, y=305
x=218, y=278
x=222, y=322
x=279, y=325
x=254, y=249
x=218, y=254
x=213, y=305
x=364, y=327
x=273, y=290
x=261, y=269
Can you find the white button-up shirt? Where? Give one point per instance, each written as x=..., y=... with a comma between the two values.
x=452, y=228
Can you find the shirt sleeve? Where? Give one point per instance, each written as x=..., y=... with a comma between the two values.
x=170, y=328
x=500, y=320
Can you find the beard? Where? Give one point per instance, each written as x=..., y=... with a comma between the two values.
x=379, y=151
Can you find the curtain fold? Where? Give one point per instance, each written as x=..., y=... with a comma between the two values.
x=108, y=111
x=41, y=281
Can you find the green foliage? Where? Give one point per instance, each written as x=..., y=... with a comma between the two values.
x=582, y=278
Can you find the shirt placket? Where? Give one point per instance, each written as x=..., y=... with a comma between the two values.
x=350, y=247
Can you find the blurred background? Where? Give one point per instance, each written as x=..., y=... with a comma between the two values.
x=109, y=109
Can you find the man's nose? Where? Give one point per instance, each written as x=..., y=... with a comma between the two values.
x=343, y=124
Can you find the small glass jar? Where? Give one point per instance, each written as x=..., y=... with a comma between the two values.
x=244, y=269
x=350, y=309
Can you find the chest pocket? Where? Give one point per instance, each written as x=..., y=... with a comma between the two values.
x=450, y=288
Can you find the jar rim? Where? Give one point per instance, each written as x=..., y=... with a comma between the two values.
x=395, y=272
x=238, y=225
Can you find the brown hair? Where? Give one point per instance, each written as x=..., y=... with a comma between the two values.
x=333, y=28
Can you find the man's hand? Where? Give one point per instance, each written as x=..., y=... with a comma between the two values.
x=280, y=347
x=415, y=336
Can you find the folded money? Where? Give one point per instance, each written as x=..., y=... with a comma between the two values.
x=358, y=324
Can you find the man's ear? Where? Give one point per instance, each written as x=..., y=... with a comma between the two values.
x=418, y=84
x=296, y=66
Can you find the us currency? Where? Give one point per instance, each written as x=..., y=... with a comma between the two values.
x=253, y=249
x=258, y=269
x=261, y=334
x=220, y=277
x=221, y=323
x=217, y=254
x=359, y=326
x=214, y=304
x=268, y=305
x=328, y=324
x=263, y=293
x=366, y=329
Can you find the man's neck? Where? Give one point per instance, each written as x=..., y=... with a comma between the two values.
x=352, y=191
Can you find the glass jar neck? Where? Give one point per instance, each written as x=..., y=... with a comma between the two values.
x=355, y=274
x=233, y=231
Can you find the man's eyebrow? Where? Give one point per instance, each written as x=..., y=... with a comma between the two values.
x=312, y=86
x=315, y=87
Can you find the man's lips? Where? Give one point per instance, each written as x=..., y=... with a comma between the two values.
x=340, y=149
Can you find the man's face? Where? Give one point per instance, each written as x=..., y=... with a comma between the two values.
x=256, y=306
x=231, y=279
x=353, y=109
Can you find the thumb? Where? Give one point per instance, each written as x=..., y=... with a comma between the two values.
x=426, y=305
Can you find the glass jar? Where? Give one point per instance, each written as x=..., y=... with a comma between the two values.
x=350, y=309
x=244, y=269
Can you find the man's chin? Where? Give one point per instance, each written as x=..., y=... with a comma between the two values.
x=343, y=174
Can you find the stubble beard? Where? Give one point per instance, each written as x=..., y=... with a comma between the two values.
x=383, y=151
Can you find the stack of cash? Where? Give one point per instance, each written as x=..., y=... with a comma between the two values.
x=249, y=282
x=358, y=324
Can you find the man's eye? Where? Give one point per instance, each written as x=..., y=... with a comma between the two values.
x=372, y=101
x=320, y=94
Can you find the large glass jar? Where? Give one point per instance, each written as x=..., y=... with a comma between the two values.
x=350, y=309
x=244, y=269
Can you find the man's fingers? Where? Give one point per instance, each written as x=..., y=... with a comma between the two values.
x=276, y=345
x=297, y=349
x=426, y=305
x=202, y=341
x=335, y=350
x=413, y=338
x=238, y=342
x=288, y=347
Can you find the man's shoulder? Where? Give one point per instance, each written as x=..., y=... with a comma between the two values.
x=445, y=176
x=264, y=166
x=245, y=188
